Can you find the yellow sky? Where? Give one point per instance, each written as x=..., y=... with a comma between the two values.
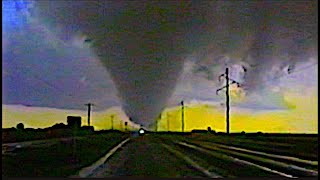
x=37, y=117
x=301, y=117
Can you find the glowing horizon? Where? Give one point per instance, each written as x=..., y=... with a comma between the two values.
x=300, y=118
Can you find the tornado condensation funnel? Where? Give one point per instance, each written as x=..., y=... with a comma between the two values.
x=141, y=44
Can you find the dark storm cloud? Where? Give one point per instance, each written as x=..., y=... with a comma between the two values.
x=41, y=70
x=139, y=43
x=143, y=44
x=276, y=36
x=49, y=77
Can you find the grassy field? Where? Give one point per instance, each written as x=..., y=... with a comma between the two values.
x=300, y=146
x=64, y=158
x=61, y=159
x=31, y=135
x=217, y=162
x=305, y=147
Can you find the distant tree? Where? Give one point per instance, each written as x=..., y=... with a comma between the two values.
x=87, y=128
x=209, y=129
x=220, y=133
x=59, y=126
x=20, y=126
x=243, y=133
x=259, y=133
x=29, y=129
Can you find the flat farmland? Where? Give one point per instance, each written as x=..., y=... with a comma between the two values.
x=289, y=155
x=165, y=155
x=304, y=147
x=57, y=158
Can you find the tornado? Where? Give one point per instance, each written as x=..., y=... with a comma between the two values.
x=141, y=44
x=144, y=44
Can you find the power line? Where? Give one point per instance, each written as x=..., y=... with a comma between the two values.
x=267, y=80
x=226, y=75
x=35, y=76
x=245, y=84
x=278, y=77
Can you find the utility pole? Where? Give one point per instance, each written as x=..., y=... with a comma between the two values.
x=112, y=122
x=158, y=118
x=126, y=125
x=168, y=129
x=156, y=125
x=226, y=75
x=227, y=100
x=89, y=109
x=182, y=116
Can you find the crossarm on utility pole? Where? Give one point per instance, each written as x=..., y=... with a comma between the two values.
x=217, y=91
x=220, y=77
x=226, y=75
x=233, y=82
x=227, y=99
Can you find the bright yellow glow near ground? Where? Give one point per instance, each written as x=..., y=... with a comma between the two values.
x=36, y=117
x=301, y=117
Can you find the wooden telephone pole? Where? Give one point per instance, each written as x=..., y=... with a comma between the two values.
x=226, y=75
x=168, y=127
x=112, y=116
x=89, y=109
x=182, y=116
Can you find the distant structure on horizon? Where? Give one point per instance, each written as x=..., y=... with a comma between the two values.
x=74, y=121
x=58, y=130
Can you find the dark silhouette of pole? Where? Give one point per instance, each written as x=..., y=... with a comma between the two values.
x=159, y=118
x=182, y=116
x=112, y=122
x=168, y=129
x=126, y=125
x=226, y=75
x=157, y=124
x=227, y=100
x=89, y=109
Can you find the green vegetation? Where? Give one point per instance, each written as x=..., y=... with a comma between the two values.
x=304, y=147
x=217, y=162
x=63, y=158
x=145, y=156
x=300, y=146
x=18, y=135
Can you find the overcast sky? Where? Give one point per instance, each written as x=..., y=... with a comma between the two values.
x=48, y=65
